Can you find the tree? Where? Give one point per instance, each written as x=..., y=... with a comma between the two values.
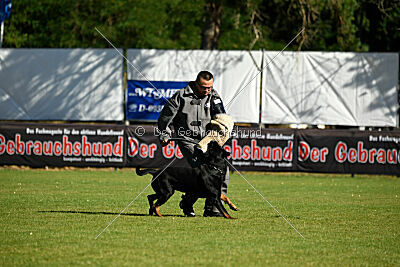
x=212, y=26
x=330, y=25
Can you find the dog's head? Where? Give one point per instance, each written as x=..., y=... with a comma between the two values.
x=215, y=157
x=214, y=151
x=213, y=163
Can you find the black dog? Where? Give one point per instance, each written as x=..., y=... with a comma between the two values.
x=205, y=181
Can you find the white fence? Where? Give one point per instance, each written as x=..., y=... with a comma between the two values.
x=61, y=84
x=232, y=70
x=357, y=89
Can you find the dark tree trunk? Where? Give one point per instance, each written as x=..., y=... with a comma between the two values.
x=212, y=26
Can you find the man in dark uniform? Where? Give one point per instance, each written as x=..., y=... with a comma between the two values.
x=190, y=110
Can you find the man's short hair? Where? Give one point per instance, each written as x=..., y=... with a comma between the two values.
x=206, y=75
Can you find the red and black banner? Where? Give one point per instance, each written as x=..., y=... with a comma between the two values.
x=334, y=151
x=40, y=145
x=252, y=149
x=144, y=149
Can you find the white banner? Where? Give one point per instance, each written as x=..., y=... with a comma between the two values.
x=355, y=89
x=61, y=84
x=233, y=74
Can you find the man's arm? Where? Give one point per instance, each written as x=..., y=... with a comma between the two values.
x=166, y=117
x=217, y=107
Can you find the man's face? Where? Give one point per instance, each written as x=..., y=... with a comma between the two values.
x=204, y=87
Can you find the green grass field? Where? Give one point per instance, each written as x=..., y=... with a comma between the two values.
x=51, y=217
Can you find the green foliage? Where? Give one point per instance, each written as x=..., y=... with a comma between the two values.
x=330, y=25
x=52, y=218
x=378, y=22
x=127, y=23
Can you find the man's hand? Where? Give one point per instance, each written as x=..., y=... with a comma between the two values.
x=164, y=142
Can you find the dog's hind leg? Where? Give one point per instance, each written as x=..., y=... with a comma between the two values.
x=151, y=199
x=157, y=211
x=160, y=201
x=221, y=208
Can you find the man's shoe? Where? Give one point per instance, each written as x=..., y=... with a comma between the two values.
x=210, y=213
x=187, y=210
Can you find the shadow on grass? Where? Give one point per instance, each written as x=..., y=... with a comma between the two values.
x=135, y=214
x=103, y=212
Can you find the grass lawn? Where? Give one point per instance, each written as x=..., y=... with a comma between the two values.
x=51, y=217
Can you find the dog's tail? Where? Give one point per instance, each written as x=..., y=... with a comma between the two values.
x=229, y=202
x=142, y=172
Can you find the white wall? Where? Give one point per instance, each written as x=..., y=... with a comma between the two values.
x=61, y=84
x=232, y=71
x=358, y=89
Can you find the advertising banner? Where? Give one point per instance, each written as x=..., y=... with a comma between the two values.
x=39, y=145
x=144, y=149
x=145, y=99
x=251, y=149
x=349, y=151
x=5, y=9
x=255, y=149
x=236, y=74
